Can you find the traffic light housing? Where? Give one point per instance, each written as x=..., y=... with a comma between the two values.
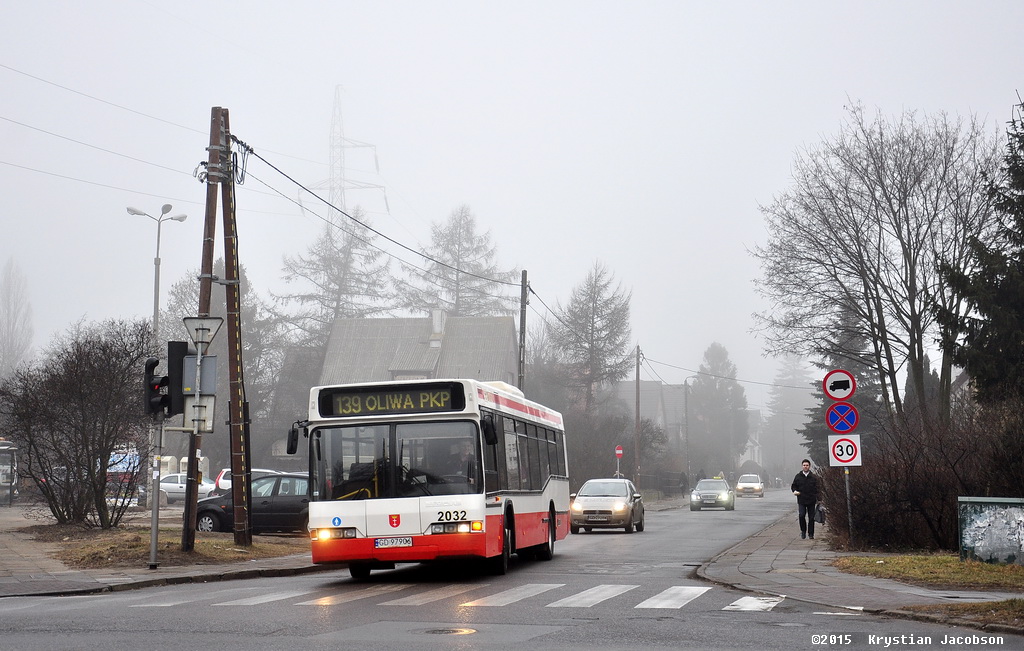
x=176, y=352
x=156, y=401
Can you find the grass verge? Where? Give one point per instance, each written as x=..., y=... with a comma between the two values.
x=948, y=572
x=82, y=548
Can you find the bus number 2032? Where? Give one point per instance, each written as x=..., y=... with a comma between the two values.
x=451, y=516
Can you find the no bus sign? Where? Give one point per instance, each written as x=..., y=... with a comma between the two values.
x=844, y=450
x=618, y=451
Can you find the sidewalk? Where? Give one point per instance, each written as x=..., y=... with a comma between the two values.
x=27, y=568
x=774, y=561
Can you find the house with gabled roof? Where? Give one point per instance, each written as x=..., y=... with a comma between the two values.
x=407, y=348
x=373, y=350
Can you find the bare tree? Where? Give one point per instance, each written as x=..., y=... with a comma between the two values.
x=459, y=274
x=592, y=334
x=15, y=319
x=77, y=417
x=855, y=246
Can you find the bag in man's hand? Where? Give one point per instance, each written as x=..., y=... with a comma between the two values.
x=819, y=513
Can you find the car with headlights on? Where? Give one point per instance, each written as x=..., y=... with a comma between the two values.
x=278, y=502
x=606, y=504
x=749, y=485
x=712, y=493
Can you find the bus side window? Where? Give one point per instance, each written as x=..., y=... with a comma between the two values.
x=511, y=453
x=494, y=455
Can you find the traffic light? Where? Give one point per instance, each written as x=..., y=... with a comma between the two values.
x=155, y=400
x=176, y=352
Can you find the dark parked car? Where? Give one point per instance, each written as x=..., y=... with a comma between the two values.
x=607, y=503
x=711, y=493
x=278, y=503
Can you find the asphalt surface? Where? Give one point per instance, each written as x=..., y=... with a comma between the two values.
x=774, y=561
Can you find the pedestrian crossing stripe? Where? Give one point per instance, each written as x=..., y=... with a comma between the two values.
x=434, y=595
x=592, y=597
x=675, y=597
x=262, y=599
x=515, y=594
x=754, y=603
x=356, y=595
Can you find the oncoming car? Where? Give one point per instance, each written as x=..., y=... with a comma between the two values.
x=750, y=485
x=712, y=493
x=607, y=504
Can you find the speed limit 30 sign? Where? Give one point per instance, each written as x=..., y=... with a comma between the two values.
x=844, y=450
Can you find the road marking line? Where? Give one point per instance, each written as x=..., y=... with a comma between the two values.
x=674, y=597
x=433, y=595
x=263, y=598
x=356, y=595
x=515, y=594
x=754, y=603
x=591, y=597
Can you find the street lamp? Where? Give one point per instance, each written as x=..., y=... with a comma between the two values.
x=156, y=443
x=156, y=261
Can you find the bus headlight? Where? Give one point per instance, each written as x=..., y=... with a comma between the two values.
x=332, y=534
x=457, y=527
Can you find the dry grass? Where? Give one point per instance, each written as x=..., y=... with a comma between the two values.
x=82, y=548
x=937, y=571
x=1003, y=613
x=950, y=573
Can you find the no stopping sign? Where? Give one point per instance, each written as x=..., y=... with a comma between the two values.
x=844, y=450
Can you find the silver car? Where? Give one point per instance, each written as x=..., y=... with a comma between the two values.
x=607, y=504
x=749, y=485
x=173, y=486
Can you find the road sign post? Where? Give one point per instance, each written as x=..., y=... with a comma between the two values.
x=842, y=418
x=618, y=457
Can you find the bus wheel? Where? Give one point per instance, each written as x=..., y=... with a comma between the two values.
x=546, y=551
x=498, y=565
x=359, y=570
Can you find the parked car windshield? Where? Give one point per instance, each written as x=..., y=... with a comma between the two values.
x=604, y=489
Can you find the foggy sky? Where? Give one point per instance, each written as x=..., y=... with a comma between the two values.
x=644, y=135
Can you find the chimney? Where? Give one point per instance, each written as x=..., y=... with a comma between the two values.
x=437, y=321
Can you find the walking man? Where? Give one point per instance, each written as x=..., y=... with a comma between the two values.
x=805, y=487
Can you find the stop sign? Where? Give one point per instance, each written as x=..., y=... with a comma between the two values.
x=618, y=451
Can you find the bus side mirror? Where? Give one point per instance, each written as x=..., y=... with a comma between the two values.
x=487, y=425
x=293, y=439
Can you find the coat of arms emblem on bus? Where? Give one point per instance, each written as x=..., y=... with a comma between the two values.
x=394, y=519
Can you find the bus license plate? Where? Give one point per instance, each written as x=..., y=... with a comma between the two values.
x=384, y=543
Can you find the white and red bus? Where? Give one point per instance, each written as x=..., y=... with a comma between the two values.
x=424, y=470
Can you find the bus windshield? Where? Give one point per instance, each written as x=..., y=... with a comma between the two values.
x=363, y=462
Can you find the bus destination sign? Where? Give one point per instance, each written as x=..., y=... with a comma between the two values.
x=391, y=399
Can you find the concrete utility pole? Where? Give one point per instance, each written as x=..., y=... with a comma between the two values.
x=524, y=300
x=636, y=435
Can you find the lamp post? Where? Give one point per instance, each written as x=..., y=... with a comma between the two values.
x=156, y=443
x=156, y=261
x=686, y=409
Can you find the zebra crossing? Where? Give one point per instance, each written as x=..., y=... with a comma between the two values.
x=406, y=595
